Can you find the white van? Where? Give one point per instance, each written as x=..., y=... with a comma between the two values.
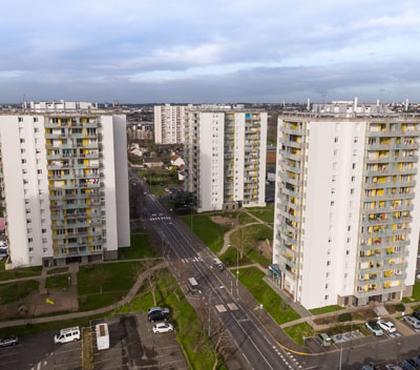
x=193, y=285
x=67, y=335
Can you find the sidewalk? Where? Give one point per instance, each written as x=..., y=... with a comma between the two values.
x=75, y=315
x=257, y=219
x=226, y=237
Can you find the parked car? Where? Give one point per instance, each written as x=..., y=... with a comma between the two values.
x=393, y=367
x=324, y=339
x=9, y=341
x=163, y=310
x=413, y=321
x=219, y=264
x=417, y=360
x=67, y=335
x=158, y=316
x=162, y=327
x=387, y=326
x=409, y=364
x=374, y=328
x=416, y=314
x=368, y=367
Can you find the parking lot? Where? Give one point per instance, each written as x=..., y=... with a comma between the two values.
x=134, y=346
x=37, y=352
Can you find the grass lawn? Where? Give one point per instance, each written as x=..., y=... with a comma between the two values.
x=264, y=213
x=189, y=330
x=281, y=312
x=57, y=270
x=158, y=179
x=58, y=282
x=14, y=291
x=251, y=235
x=19, y=273
x=297, y=332
x=209, y=232
x=326, y=309
x=416, y=294
x=100, y=285
x=141, y=247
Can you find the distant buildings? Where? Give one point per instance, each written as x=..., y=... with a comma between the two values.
x=347, y=208
x=64, y=183
x=169, y=124
x=225, y=152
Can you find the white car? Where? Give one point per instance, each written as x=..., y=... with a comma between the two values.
x=387, y=326
x=374, y=328
x=163, y=327
x=413, y=321
x=67, y=335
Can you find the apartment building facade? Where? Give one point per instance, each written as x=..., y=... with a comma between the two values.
x=347, y=205
x=225, y=153
x=64, y=185
x=169, y=124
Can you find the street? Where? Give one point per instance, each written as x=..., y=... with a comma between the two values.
x=258, y=349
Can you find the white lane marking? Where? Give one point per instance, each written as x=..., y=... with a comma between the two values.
x=39, y=366
x=232, y=306
x=220, y=308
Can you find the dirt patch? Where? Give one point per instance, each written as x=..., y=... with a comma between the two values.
x=36, y=304
x=220, y=220
x=265, y=249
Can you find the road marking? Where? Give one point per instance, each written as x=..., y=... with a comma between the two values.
x=220, y=308
x=39, y=366
x=232, y=306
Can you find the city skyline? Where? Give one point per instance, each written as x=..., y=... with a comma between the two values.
x=251, y=51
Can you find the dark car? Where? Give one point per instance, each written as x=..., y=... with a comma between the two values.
x=9, y=341
x=409, y=365
x=163, y=310
x=416, y=314
x=158, y=316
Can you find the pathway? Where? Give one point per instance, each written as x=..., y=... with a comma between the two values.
x=226, y=237
x=75, y=315
x=257, y=219
x=257, y=265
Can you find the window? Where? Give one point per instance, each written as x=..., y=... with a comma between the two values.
x=328, y=263
x=326, y=286
x=336, y=139
x=23, y=161
x=326, y=297
x=331, y=203
x=353, y=178
x=22, y=141
x=356, y=139
x=20, y=119
x=44, y=231
x=353, y=166
x=30, y=240
x=35, y=120
x=347, y=252
x=348, y=240
x=348, y=228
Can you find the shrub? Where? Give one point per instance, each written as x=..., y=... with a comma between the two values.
x=400, y=307
x=344, y=317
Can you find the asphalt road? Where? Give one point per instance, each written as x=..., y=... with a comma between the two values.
x=258, y=349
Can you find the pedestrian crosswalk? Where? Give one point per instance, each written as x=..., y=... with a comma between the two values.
x=159, y=218
x=192, y=259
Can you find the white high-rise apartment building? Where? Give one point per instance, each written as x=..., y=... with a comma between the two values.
x=169, y=123
x=225, y=154
x=347, y=212
x=64, y=183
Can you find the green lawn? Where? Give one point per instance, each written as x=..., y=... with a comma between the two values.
x=159, y=178
x=100, y=285
x=141, y=247
x=264, y=213
x=281, y=312
x=326, y=309
x=19, y=273
x=249, y=237
x=189, y=330
x=58, y=282
x=209, y=232
x=416, y=294
x=14, y=291
x=299, y=331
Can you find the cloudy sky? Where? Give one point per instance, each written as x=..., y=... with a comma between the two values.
x=204, y=51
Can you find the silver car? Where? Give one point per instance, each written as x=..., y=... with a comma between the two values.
x=414, y=322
